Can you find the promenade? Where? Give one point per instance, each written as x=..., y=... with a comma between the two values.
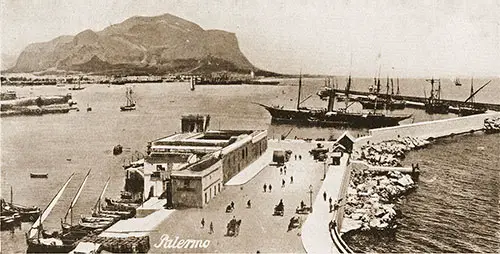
x=315, y=231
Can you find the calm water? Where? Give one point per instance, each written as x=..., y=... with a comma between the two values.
x=65, y=143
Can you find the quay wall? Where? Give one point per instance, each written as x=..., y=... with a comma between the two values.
x=430, y=129
x=339, y=215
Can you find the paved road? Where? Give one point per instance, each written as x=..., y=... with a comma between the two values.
x=260, y=230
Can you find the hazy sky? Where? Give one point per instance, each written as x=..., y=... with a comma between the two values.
x=402, y=37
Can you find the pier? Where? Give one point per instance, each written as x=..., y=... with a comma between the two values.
x=419, y=101
x=430, y=129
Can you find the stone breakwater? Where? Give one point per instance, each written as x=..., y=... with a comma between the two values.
x=492, y=125
x=37, y=105
x=370, y=199
x=389, y=153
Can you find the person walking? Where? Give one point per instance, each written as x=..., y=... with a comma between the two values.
x=249, y=204
x=324, y=195
x=284, y=170
x=232, y=204
x=291, y=179
x=270, y=187
x=300, y=157
x=265, y=187
x=330, y=200
x=281, y=170
x=282, y=183
x=211, y=228
x=202, y=222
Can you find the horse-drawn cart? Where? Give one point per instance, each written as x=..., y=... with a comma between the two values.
x=233, y=227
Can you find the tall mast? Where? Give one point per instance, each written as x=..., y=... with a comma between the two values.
x=439, y=89
x=387, y=86
x=300, y=89
x=472, y=90
x=331, y=98
x=36, y=225
x=392, y=86
x=11, y=196
x=397, y=82
x=97, y=206
x=75, y=198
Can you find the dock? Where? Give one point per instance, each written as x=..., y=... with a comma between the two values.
x=419, y=101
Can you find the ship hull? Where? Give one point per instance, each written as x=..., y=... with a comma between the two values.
x=37, y=247
x=337, y=118
x=370, y=104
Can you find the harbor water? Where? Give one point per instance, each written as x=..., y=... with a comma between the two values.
x=458, y=211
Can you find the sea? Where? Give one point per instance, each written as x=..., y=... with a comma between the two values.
x=454, y=209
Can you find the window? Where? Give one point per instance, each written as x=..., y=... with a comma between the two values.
x=215, y=190
x=219, y=187
x=206, y=200
x=186, y=183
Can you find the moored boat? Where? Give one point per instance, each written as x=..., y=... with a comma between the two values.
x=39, y=175
x=130, y=105
x=38, y=242
x=330, y=116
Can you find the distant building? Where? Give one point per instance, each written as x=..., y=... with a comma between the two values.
x=190, y=168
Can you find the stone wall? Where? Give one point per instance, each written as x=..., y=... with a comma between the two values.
x=187, y=192
x=430, y=129
x=237, y=159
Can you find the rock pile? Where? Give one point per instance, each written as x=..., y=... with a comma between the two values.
x=369, y=197
x=390, y=153
x=492, y=125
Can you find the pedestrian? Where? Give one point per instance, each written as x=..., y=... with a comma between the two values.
x=211, y=228
x=282, y=183
x=291, y=179
x=330, y=200
x=202, y=222
x=270, y=187
x=331, y=207
x=249, y=204
x=284, y=171
x=281, y=170
x=232, y=204
x=324, y=195
x=265, y=187
x=300, y=157
x=295, y=157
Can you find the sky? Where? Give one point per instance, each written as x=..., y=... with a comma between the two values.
x=404, y=38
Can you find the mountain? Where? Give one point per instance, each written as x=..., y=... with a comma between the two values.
x=159, y=44
x=7, y=61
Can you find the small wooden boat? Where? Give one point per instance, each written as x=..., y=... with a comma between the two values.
x=39, y=175
x=118, y=149
x=35, y=238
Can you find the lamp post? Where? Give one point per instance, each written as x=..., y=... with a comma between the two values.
x=310, y=196
x=324, y=170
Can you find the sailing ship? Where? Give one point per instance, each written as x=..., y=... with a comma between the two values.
x=373, y=101
x=130, y=101
x=79, y=87
x=39, y=241
x=108, y=211
x=466, y=110
x=434, y=104
x=330, y=116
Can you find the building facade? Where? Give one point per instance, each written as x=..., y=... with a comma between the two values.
x=189, y=169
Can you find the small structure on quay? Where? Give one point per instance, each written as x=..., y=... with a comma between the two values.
x=188, y=169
